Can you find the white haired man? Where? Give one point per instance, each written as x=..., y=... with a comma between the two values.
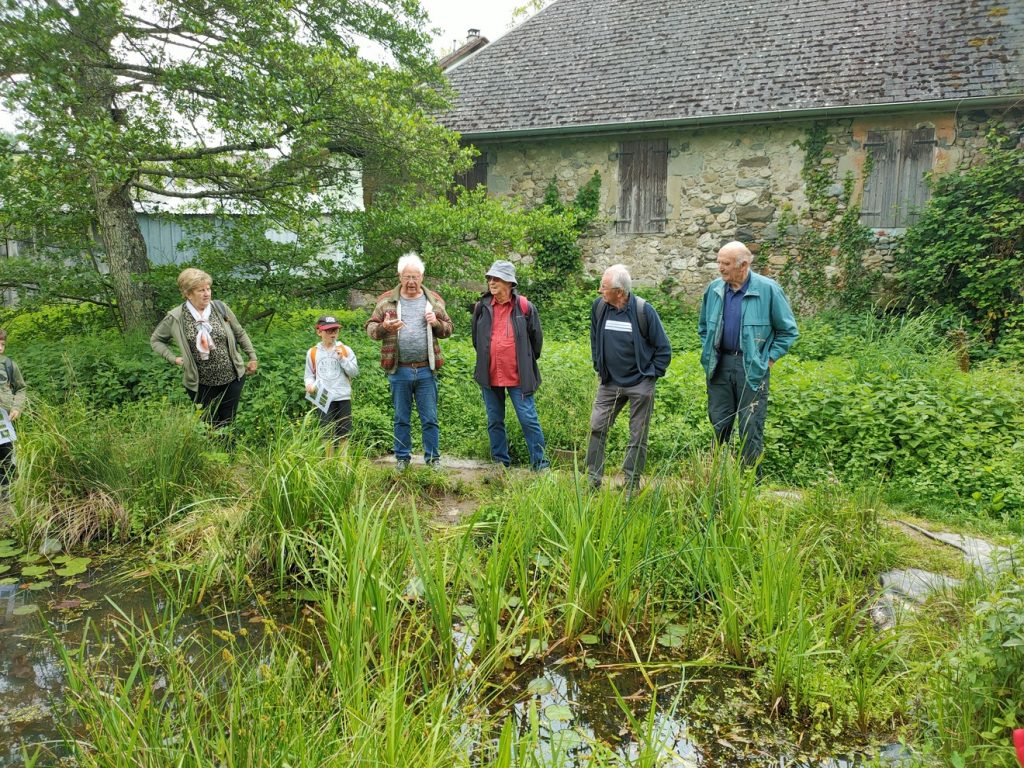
x=745, y=325
x=408, y=320
x=630, y=351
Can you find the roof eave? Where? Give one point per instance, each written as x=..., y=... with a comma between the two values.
x=744, y=118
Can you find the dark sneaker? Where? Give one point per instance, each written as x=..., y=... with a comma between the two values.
x=402, y=464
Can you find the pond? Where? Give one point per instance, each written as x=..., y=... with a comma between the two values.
x=573, y=700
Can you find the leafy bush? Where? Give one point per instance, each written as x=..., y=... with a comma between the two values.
x=967, y=250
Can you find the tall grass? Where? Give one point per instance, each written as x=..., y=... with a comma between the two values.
x=85, y=474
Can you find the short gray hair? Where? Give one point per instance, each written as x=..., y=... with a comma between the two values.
x=619, y=278
x=737, y=249
x=411, y=259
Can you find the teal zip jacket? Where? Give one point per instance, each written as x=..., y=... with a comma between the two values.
x=767, y=327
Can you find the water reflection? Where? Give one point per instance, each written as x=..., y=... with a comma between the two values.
x=577, y=708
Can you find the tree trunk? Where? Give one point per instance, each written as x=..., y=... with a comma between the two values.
x=126, y=257
x=119, y=228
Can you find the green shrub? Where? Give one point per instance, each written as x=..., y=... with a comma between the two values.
x=966, y=252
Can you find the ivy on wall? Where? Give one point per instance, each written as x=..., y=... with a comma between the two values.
x=824, y=244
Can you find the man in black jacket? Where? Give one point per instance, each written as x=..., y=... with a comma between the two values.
x=508, y=339
x=630, y=351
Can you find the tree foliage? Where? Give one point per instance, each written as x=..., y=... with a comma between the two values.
x=238, y=107
x=966, y=253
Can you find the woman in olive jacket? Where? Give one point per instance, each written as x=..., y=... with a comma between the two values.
x=208, y=336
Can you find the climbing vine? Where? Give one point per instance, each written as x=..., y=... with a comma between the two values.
x=824, y=244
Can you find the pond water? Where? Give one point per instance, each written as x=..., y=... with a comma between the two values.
x=701, y=717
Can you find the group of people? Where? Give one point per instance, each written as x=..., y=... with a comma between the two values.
x=745, y=326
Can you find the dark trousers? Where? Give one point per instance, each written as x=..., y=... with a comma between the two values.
x=219, y=403
x=337, y=419
x=609, y=401
x=6, y=464
x=730, y=399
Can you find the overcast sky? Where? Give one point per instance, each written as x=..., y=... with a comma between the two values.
x=455, y=17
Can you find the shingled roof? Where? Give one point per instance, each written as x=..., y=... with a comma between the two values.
x=582, y=65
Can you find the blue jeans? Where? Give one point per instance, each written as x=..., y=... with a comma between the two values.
x=526, y=411
x=419, y=383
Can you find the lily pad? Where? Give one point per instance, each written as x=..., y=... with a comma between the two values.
x=539, y=686
x=677, y=630
x=4, y=568
x=9, y=580
x=6, y=543
x=25, y=610
x=567, y=738
x=35, y=570
x=74, y=567
x=6, y=552
x=37, y=585
x=558, y=713
x=30, y=558
x=670, y=641
x=590, y=639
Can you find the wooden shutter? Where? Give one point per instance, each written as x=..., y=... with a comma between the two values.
x=896, y=187
x=629, y=160
x=917, y=154
x=651, y=216
x=472, y=177
x=643, y=181
x=877, y=209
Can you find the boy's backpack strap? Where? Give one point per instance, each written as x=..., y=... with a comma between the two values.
x=312, y=359
x=524, y=305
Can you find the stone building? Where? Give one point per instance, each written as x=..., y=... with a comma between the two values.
x=701, y=117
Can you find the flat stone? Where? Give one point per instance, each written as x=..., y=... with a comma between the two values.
x=746, y=213
x=915, y=584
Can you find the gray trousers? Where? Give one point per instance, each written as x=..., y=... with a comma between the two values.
x=729, y=399
x=609, y=401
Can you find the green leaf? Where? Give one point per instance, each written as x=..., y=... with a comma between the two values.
x=558, y=713
x=540, y=686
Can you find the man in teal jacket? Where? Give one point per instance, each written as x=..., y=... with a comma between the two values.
x=745, y=326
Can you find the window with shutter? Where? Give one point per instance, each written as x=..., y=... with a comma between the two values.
x=472, y=177
x=895, y=191
x=643, y=178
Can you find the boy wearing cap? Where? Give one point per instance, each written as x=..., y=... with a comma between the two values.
x=12, y=402
x=507, y=337
x=333, y=366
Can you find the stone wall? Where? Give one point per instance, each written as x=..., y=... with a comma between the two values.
x=728, y=183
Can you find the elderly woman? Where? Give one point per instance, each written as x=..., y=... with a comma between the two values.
x=208, y=336
x=507, y=337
